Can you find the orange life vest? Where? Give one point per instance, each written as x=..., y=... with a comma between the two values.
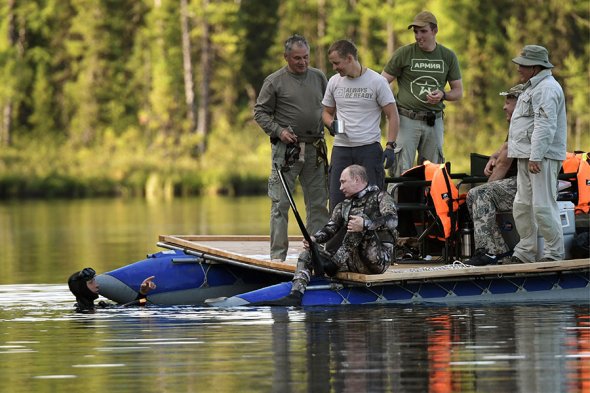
x=443, y=192
x=445, y=196
x=579, y=163
x=571, y=162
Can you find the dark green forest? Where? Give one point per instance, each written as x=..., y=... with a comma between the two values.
x=154, y=97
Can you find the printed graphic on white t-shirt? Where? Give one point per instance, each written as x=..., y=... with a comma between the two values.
x=354, y=92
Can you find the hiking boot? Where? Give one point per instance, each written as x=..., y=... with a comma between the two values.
x=504, y=260
x=482, y=258
x=513, y=260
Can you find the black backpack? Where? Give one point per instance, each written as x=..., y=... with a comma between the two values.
x=580, y=245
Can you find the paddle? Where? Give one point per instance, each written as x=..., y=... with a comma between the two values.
x=313, y=248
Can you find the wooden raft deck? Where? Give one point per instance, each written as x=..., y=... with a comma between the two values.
x=254, y=250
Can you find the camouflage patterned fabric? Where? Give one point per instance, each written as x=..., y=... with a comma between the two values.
x=484, y=202
x=367, y=252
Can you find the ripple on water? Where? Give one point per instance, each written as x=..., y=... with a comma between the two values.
x=380, y=348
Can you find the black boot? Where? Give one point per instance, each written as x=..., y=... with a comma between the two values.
x=482, y=258
x=292, y=299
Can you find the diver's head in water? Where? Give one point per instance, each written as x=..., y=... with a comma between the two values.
x=84, y=286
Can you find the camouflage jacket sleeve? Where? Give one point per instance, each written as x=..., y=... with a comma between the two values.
x=387, y=219
x=332, y=227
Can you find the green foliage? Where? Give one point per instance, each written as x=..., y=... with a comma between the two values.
x=95, y=94
x=260, y=28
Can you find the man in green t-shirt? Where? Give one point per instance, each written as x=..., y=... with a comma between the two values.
x=422, y=71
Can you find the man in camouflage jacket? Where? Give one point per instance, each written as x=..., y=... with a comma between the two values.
x=497, y=195
x=370, y=218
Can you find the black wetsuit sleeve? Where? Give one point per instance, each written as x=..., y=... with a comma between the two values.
x=140, y=300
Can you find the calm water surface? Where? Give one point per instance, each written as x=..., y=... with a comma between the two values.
x=45, y=347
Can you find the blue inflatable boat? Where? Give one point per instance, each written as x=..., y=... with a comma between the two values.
x=513, y=286
x=190, y=271
x=228, y=271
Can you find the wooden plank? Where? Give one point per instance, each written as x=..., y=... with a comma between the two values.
x=256, y=247
x=254, y=250
x=181, y=241
x=395, y=273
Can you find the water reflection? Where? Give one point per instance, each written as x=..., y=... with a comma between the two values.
x=44, y=347
x=443, y=350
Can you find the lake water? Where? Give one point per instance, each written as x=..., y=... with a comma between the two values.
x=45, y=347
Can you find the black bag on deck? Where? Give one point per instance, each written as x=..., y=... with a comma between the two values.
x=580, y=245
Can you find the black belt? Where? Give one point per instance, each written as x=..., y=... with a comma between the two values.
x=417, y=115
x=305, y=139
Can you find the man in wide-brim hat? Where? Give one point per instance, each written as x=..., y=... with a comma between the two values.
x=537, y=138
x=533, y=55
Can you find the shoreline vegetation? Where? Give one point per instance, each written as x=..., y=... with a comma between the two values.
x=143, y=98
x=44, y=170
x=33, y=169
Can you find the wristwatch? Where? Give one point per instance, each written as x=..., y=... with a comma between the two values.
x=392, y=144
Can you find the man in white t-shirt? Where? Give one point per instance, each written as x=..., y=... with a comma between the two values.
x=356, y=96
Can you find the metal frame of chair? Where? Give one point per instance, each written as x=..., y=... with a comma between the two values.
x=425, y=207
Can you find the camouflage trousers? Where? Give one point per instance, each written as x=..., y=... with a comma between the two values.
x=360, y=252
x=484, y=202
